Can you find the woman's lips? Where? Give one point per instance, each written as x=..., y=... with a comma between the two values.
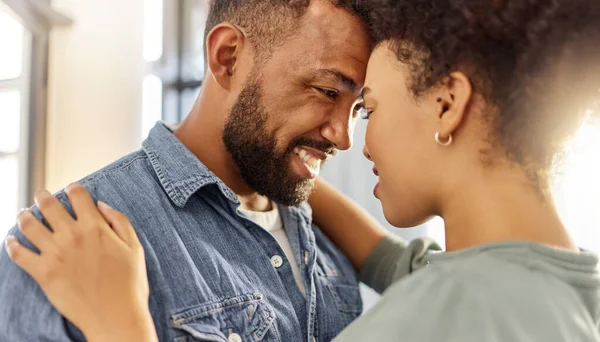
x=376, y=185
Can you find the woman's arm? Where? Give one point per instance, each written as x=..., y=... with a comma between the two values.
x=348, y=226
x=92, y=269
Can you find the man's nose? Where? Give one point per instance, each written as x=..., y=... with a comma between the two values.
x=339, y=129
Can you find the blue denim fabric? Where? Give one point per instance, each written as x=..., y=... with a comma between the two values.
x=209, y=266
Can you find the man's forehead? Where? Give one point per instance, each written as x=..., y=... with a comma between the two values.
x=335, y=47
x=329, y=22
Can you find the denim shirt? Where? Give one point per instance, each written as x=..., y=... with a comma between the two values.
x=209, y=266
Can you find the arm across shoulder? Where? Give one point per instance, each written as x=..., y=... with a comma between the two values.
x=25, y=312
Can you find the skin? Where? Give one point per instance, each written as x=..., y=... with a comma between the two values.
x=418, y=178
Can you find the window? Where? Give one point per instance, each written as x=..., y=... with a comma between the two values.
x=174, y=52
x=14, y=85
x=24, y=28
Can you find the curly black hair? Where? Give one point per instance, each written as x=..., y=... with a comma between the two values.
x=537, y=62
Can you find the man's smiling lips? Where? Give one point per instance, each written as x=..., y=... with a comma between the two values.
x=311, y=159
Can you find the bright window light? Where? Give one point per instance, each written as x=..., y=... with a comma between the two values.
x=9, y=182
x=435, y=230
x=151, y=103
x=10, y=121
x=577, y=187
x=11, y=45
x=153, y=30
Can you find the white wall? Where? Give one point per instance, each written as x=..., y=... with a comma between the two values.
x=94, y=89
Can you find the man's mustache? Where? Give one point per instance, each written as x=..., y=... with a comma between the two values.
x=325, y=146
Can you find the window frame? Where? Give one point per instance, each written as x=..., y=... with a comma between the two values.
x=38, y=18
x=169, y=68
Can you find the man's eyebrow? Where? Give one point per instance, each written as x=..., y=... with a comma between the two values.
x=339, y=76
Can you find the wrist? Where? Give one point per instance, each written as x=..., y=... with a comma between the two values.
x=138, y=326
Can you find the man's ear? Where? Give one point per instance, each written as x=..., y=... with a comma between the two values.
x=224, y=44
x=453, y=97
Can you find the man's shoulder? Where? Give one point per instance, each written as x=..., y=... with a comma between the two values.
x=123, y=181
x=129, y=167
x=133, y=169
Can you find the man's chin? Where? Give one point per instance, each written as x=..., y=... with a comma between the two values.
x=295, y=194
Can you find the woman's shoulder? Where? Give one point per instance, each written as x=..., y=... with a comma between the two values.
x=479, y=298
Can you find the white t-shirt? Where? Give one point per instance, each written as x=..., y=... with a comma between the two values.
x=271, y=222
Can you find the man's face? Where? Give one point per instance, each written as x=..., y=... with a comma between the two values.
x=295, y=109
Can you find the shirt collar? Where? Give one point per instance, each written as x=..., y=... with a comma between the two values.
x=179, y=171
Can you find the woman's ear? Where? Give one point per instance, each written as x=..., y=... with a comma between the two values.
x=224, y=44
x=453, y=97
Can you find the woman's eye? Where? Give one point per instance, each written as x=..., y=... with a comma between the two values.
x=332, y=94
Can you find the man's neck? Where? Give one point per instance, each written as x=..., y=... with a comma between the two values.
x=201, y=132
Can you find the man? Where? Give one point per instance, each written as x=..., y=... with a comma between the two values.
x=223, y=259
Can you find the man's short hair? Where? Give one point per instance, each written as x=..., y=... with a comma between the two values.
x=268, y=23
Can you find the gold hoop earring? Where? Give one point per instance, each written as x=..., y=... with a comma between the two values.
x=447, y=143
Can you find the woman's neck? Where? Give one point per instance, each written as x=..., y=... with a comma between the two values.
x=501, y=205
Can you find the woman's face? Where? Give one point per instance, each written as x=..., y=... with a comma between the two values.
x=400, y=142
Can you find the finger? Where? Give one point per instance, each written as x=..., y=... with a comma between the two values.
x=120, y=224
x=38, y=234
x=53, y=211
x=23, y=257
x=82, y=202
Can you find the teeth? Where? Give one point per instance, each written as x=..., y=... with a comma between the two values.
x=314, y=164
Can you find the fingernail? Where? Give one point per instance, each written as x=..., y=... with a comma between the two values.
x=9, y=240
x=70, y=187
x=41, y=193
x=21, y=212
x=103, y=205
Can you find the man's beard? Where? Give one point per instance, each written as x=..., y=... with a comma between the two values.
x=254, y=150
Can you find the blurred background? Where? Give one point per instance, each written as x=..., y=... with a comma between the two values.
x=83, y=81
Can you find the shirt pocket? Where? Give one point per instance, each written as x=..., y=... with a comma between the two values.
x=342, y=290
x=243, y=318
x=347, y=300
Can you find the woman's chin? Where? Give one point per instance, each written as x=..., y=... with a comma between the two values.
x=403, y=217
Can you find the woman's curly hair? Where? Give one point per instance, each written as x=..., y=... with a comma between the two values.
x=537, y=62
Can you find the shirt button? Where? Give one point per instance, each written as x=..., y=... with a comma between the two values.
x=235, y=338
x=276, y=261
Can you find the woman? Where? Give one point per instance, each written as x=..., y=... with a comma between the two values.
x=468, y=102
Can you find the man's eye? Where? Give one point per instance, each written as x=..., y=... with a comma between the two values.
x=332, y=94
